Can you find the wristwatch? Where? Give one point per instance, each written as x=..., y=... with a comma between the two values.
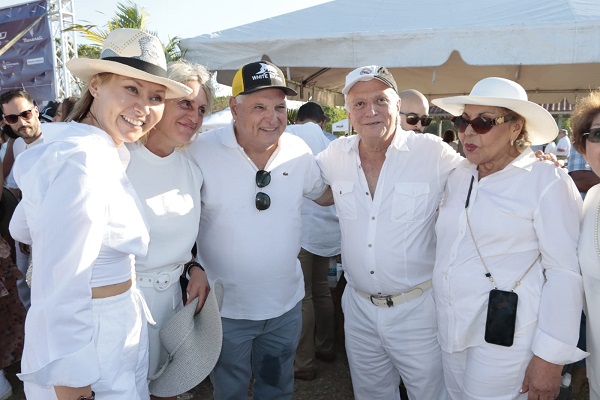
x=92, y=397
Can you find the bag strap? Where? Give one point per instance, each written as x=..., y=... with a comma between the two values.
x=488, y=274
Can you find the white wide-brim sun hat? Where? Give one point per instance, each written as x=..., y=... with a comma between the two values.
x=131, y=53
x=500, y=92
x=193, y=343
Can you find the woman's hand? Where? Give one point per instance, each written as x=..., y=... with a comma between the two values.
x=542, y=380
x=197, y=287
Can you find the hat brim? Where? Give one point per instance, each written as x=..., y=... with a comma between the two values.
x=198, y=355
x=541, y=126
x=288, y=91
x=85, y=68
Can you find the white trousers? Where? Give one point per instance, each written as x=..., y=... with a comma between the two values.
x=489, y=371
x=121, y=337
x=385, y=344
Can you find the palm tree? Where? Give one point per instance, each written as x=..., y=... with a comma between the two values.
x=128, y=15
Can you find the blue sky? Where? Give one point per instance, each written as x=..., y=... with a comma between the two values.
x=186, y=18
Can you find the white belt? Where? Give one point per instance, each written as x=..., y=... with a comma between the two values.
x=159, y=280
x=381, y=300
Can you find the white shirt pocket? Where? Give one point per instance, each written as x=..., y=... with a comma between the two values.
x=345, y=201
x=410, y=202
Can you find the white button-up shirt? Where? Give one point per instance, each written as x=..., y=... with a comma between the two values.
x=388, y=242
x=526, y=209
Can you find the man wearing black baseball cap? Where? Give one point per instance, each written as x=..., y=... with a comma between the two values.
x=255, y=178
x=387, y=183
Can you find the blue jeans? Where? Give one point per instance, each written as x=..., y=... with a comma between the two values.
x=263, y=348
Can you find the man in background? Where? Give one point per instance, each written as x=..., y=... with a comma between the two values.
x=414, y=111
x=313, y=112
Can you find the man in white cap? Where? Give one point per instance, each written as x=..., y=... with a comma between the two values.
x=387, y=184
x=255, y=178
x=563, y=147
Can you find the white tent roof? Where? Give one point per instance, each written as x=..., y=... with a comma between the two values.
x=439, y=47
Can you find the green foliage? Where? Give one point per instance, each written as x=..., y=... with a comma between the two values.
x=221, y=103
x=88, y=51
x=291, y=118
x=128, y=15
x=335, y=114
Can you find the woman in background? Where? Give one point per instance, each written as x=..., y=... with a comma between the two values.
x=585, y=122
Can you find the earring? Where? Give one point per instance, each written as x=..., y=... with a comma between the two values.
x=93, y=94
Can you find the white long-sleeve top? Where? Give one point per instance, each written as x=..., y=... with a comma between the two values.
x=388, y=242
x=589, y=259
x=526, y=209
x=82, y=216
x=169, y=188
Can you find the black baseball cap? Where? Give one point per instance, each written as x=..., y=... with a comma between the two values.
x=311, y=110
x=257, y=76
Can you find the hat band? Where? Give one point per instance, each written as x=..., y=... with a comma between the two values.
x=139, y=64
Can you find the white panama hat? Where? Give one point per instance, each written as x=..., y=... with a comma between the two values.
x=193, y=343
x=500, y=92
x=131, y=53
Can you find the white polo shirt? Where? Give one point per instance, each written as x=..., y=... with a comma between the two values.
x=388, y=242
x=254, y=253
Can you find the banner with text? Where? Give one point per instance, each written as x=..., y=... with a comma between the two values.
x=26, y=50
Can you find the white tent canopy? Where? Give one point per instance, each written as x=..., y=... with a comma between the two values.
x=439, y=47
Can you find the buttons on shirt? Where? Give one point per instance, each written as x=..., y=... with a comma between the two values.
x=370, y=245
x=372, y=272
x=372, y=218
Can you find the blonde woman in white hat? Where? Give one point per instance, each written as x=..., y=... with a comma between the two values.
x=506, y=281
x=86, y=329
x=168, y=184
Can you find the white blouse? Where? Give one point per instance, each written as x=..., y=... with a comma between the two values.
x=589, y=258
x=82, y=216
x=526, y=209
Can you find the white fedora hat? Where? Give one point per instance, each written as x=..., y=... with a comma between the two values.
x=132, y=53
x=500, y=92
x=193, y=343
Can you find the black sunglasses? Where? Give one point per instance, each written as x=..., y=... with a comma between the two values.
x=413, y=119
x=13, y=118
x=480, y=125
x=262, y=201
x=593, y=136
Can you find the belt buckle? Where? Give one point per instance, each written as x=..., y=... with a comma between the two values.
x=388, y=300
x=162, y=282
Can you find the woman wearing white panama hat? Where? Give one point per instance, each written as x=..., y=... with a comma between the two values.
x=86, y=329
x=497, y=245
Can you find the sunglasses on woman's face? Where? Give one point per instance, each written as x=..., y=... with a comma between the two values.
x=593, y=136
x=262, y=200
x=480, y=125
x=13, y=118
x=413, y=119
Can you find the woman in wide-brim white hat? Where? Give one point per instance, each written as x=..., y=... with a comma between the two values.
x=86, y=329
x=507, y=234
